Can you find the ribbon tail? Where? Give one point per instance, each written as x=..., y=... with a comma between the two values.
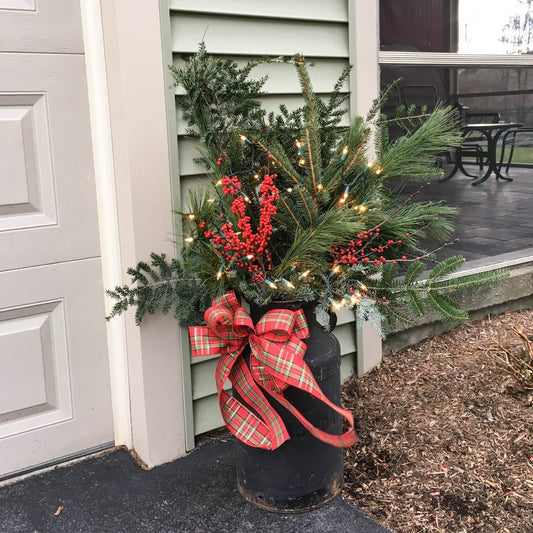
x=347, y=439
x=284, y=367
x=263, y=430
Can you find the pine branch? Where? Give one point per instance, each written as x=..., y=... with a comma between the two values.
x=157, y=288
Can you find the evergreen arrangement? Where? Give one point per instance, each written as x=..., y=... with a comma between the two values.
x=298, y=206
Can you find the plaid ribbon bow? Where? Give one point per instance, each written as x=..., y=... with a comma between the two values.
x=276, y=362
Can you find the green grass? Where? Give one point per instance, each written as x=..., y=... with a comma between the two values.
x=522, y=154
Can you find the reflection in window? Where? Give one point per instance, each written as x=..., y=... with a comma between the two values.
x=505, y=92
x=464, y=26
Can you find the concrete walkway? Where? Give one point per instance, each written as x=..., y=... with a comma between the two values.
x=494, y=217
x=110, y=493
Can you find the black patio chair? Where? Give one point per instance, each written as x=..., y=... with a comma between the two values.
x=474, y=143
x=509, y=139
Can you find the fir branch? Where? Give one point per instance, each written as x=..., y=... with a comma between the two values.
x=157, y=288
x=278, y=155
x=446, y=308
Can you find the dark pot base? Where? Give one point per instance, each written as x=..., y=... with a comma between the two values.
x=299, y=504
x=303, y=473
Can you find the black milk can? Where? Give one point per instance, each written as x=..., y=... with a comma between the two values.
x=303, y=473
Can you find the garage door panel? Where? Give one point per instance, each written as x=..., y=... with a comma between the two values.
x=54, y=374
x=54, y=380
x=33, y=352
x=47, y=196
x=27, y=196
x=41, y=26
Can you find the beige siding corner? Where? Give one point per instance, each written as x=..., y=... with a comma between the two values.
x=137, y=86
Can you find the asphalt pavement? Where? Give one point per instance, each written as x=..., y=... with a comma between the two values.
x=111, y=493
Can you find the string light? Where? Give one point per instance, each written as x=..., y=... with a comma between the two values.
x=334, y=270
x=189, y=239
x=303, y=275
x=210, y=200
x=344, y=197
x=301, y=162
x=243, y=138
x=256, y=177
x=344, y=152
x=354, y=300
x=288, y=283
x=271, y=284
x=219, y=182
x=338, y=305
x=191, y=216
x=219, y=273
x=319, y=186
x=289, y=190
x=250, y=257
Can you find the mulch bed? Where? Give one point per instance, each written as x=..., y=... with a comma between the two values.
x=446, y=434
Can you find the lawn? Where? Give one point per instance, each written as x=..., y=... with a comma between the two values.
x=522, y=155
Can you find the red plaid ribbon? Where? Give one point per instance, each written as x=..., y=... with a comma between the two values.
x=276, y=362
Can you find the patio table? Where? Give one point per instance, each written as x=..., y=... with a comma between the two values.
x=492, y=132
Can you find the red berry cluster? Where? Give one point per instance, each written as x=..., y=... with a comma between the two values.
x=248, y=249
x=361, y=251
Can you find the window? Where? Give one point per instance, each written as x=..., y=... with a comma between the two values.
x=457, y=26
x=478, y=53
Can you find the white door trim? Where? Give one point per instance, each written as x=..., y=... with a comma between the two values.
x=107, y=212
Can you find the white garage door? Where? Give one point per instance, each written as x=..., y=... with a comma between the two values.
x=54, y=379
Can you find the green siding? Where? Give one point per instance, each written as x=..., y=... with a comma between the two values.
x=244, y=30
x=331, y=11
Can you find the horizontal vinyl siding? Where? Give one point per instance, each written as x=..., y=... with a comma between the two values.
x=282, y=79
x=244, y=30
x=331, y=11
x=239, y=35
x=269, y=103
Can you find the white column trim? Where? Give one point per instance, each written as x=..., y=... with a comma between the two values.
x=363, y=35
x=443, y=59
x=107, y=211
x=363, y=49
x=139, y=134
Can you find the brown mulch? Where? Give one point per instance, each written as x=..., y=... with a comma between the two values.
x=446, y=434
